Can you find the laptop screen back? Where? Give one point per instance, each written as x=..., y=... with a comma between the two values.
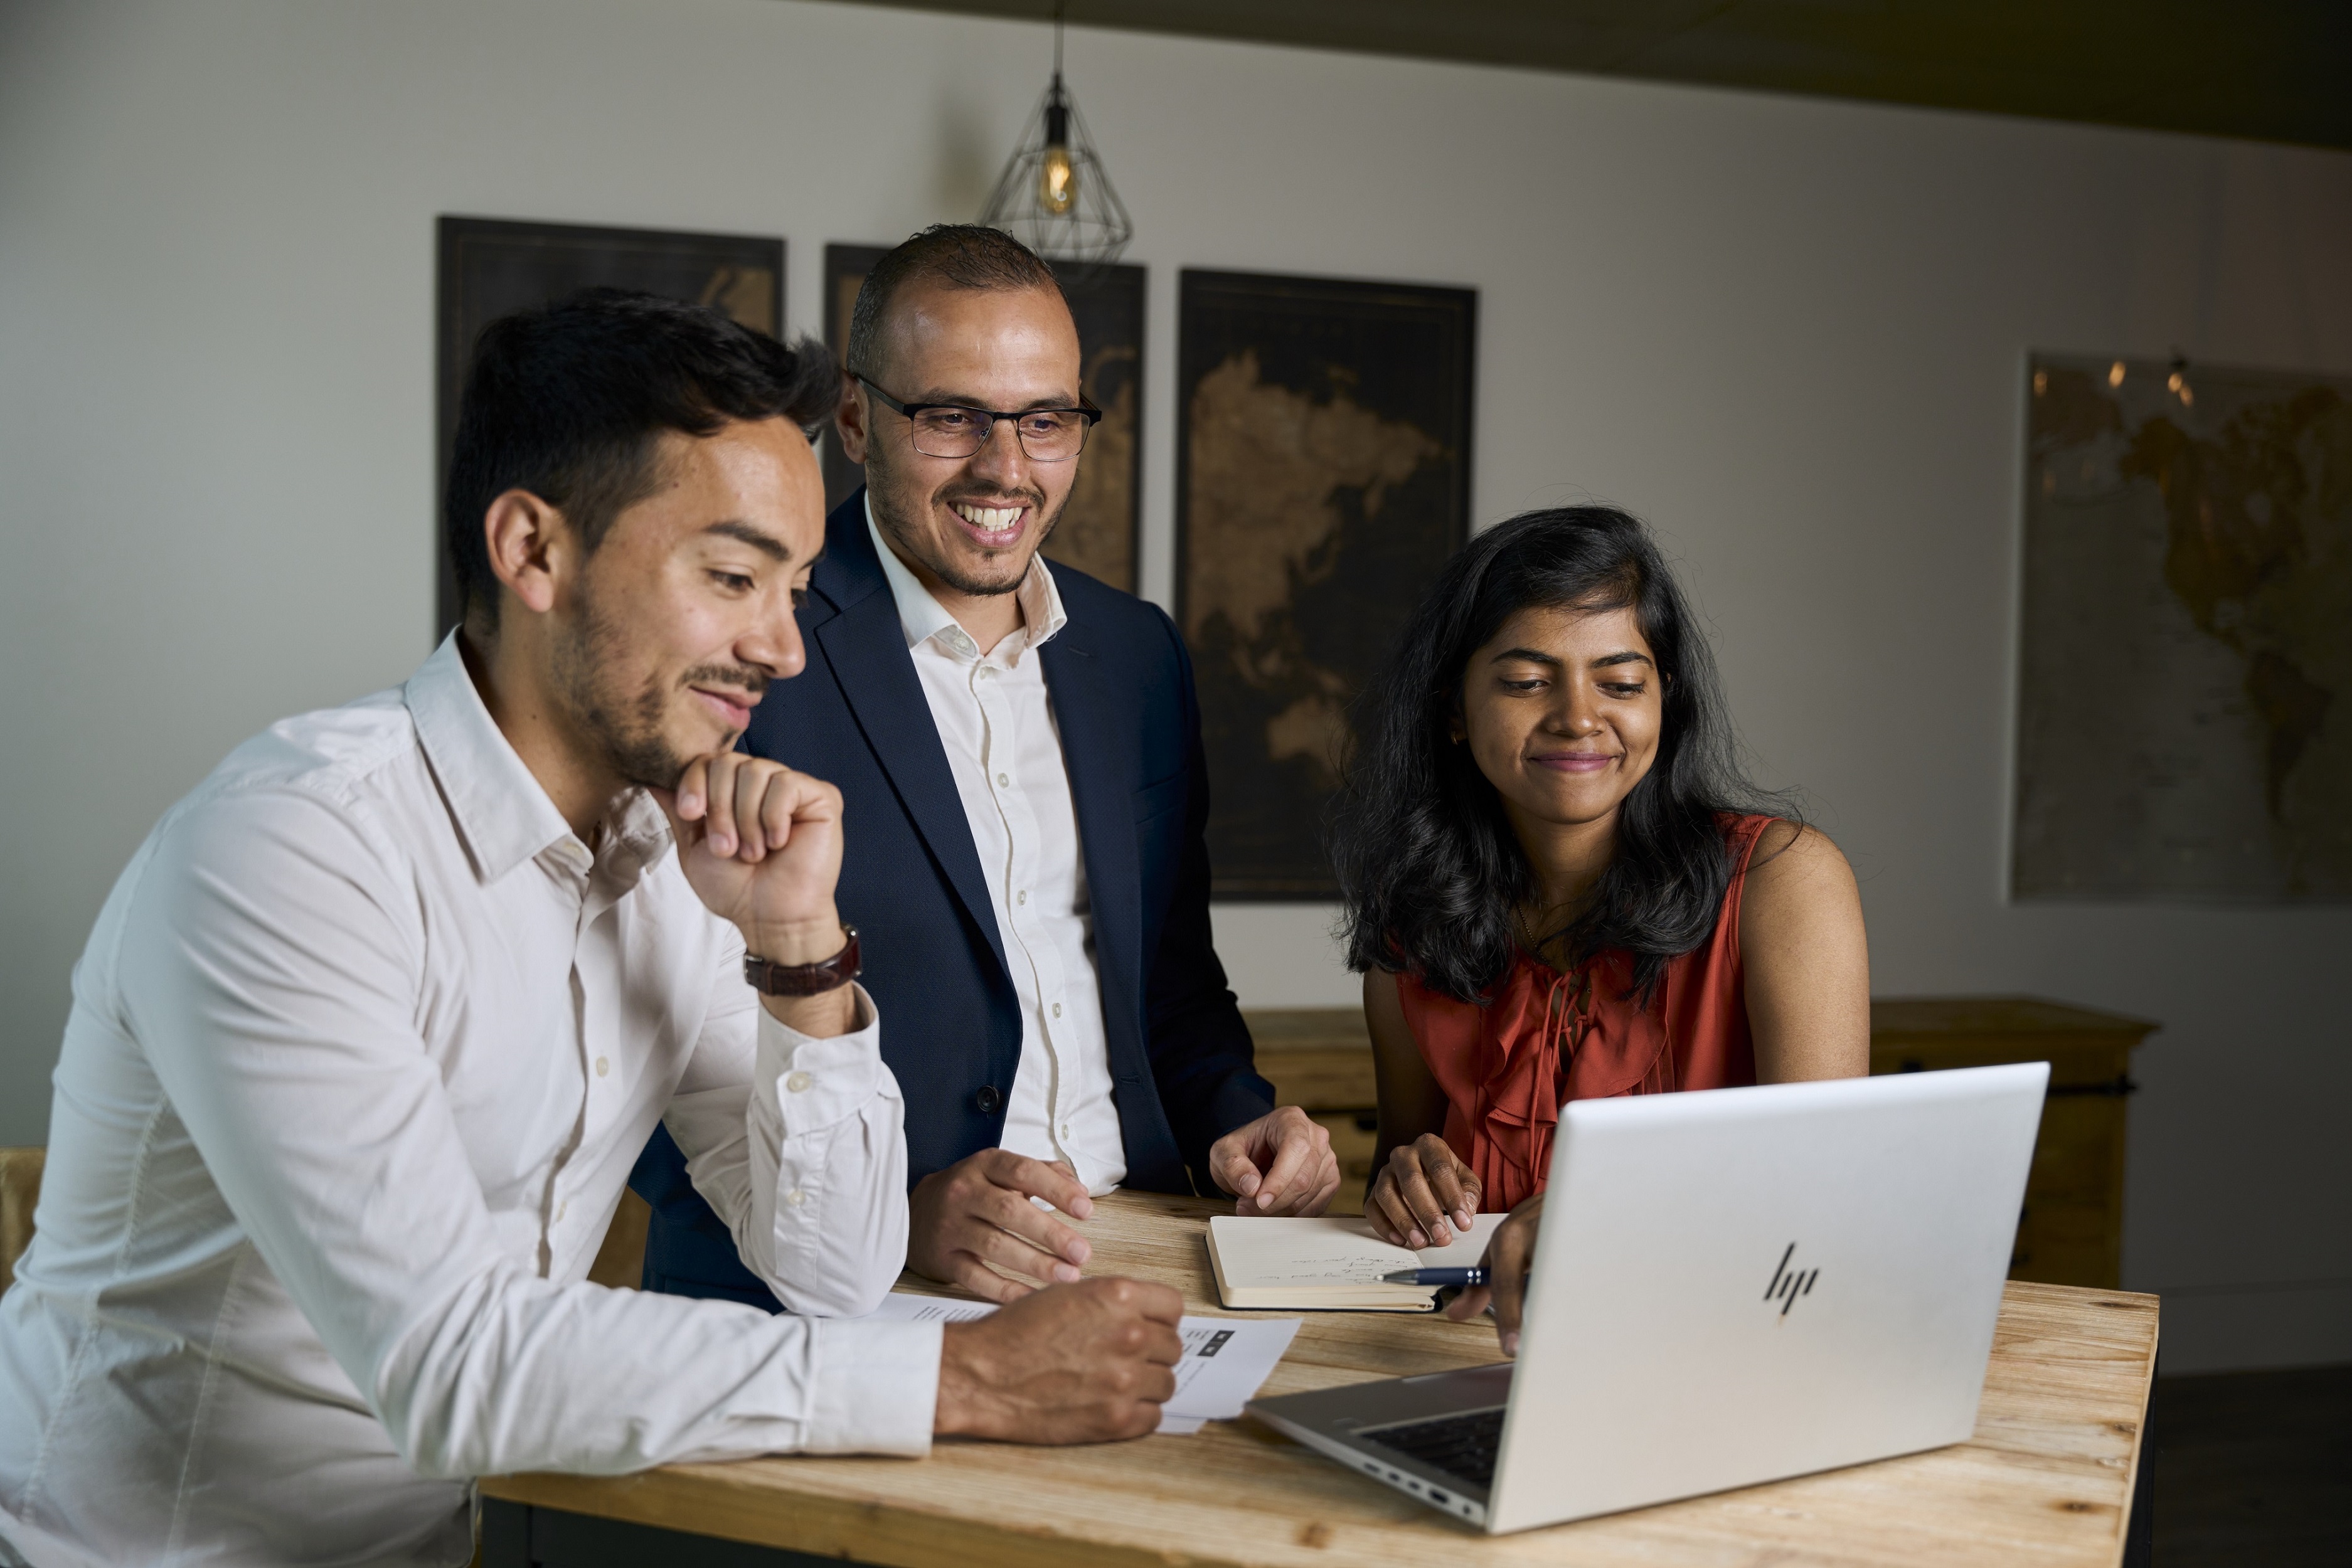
x=1738, y=1285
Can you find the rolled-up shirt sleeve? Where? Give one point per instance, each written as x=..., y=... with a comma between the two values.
x=270, y=958
x=799, y=1146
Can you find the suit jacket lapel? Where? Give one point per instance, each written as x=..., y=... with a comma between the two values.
x=865, y=646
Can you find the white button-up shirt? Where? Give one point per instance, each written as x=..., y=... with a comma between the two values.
x=996, y=722
x=363, y=1047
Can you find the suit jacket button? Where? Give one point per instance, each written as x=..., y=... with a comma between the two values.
x=989, y=1100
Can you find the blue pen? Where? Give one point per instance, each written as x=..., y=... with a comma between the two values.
x=1464, y=1277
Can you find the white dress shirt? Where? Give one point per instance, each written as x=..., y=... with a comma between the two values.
x=996, y=722
x=363, y=1045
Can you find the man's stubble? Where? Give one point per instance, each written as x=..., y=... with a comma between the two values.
x=883, y=485
x=623, y=729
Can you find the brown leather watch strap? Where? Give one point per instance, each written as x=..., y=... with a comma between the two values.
x=806, y=979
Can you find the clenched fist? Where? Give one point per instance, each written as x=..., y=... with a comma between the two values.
x=761, y=846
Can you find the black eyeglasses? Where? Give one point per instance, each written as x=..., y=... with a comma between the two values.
x=952, y=430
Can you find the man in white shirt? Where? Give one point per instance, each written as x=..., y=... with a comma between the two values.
x=1020, y=748
x=372, y=1025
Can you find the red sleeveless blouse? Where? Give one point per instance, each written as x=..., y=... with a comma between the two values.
x=1548, y=1037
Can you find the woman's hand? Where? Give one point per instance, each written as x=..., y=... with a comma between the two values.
x=1508, y=1256
x=1422, y=1195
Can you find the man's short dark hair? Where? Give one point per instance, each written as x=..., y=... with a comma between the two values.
x=957, y=255
x=570, y=401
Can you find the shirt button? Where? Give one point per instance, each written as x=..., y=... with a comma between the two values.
x=603, y=1065
x=1021, y=897
x=1066, y=1132
x=1058, y=1010
x=798, y=1081
x=1003, y=780
x=562, y=1209
x=988, y=1099
x=796, y=1198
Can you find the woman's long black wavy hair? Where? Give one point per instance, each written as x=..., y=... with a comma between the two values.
x=1427, y=862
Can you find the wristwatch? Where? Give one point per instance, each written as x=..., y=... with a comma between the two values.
x=806, y=979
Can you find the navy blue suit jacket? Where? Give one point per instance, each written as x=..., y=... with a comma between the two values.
x=1121, y=684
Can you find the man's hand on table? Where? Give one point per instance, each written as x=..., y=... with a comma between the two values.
x=1077, y=1363
x=976, y=1213
x=1280, y=1163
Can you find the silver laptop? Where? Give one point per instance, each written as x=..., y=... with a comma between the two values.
x=1730, y=1286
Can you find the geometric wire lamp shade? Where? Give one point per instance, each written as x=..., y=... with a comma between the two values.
x=1054, y=196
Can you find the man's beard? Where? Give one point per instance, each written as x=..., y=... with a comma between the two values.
x=916, y=543
x=622, y=730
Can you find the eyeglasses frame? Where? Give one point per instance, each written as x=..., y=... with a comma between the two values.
x=1094, y=416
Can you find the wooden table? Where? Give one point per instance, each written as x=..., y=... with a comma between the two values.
x=2048, y=1479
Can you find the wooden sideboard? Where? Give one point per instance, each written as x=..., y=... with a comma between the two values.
x=2071, y=1232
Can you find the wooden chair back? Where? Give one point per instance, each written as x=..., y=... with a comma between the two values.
x=20, y=1189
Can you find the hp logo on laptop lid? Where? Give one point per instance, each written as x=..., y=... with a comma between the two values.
x=1786, y=1285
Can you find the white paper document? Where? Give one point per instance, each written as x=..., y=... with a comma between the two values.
x=1225, y=1359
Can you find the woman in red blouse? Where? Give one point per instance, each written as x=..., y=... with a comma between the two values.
x=1558, y=886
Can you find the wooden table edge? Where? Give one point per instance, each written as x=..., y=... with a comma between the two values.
x=704, y=1500
x=694, y=1500
x=720, y=1501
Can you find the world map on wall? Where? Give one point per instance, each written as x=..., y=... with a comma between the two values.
x=1282, y=476
x=1324, y=481
x=2185, y=714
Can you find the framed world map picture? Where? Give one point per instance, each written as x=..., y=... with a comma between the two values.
x=491, y=267
x=2185, y=684
x=1097, y=532
x=1323, y=475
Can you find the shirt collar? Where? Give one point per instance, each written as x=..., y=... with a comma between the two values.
x=501, y=809
x=923, y=618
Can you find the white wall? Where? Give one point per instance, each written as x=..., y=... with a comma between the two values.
x=1789, y=332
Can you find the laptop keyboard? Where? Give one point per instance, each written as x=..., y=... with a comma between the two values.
x=1462, y=1445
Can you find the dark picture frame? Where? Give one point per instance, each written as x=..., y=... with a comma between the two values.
x=846, y=266
x=1101, y=528
x=1323, y=460
x=490, y=267
x=2182, y=603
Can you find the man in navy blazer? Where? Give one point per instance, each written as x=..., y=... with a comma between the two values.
x=1018, y=747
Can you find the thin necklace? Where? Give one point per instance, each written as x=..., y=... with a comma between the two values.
x=1535, y=945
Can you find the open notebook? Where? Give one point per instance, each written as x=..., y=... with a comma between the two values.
x=1332, y=1264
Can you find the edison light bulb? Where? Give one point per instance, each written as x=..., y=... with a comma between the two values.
x=1057, y=181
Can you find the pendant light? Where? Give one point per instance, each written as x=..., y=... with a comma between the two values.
x=1054, y=195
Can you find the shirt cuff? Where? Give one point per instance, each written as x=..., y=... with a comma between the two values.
x=812, y=1083
x=876, y=1389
